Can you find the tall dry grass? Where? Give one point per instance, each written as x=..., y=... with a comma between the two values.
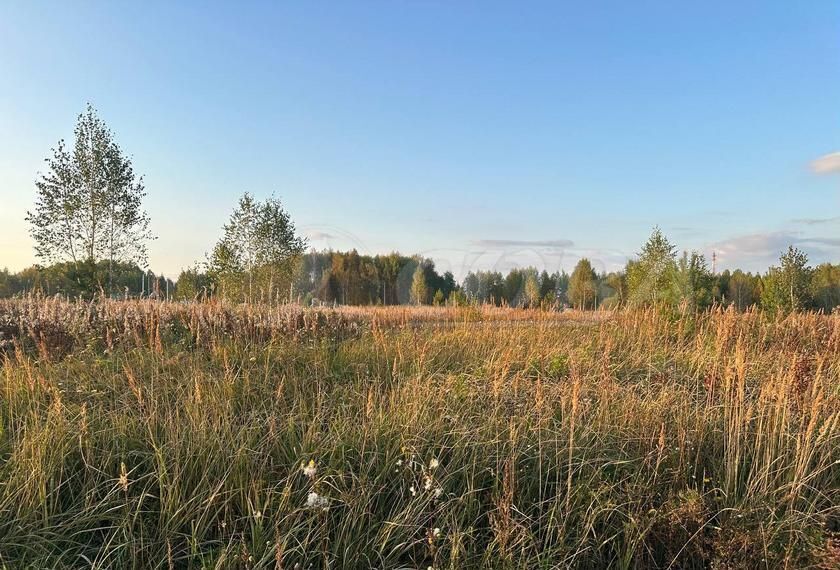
x=155, y=435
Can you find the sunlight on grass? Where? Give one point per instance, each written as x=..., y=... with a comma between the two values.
x=160, y=435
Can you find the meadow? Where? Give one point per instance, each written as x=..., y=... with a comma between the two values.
x=143, y=434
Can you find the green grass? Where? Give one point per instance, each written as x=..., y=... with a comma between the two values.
x=151, y=435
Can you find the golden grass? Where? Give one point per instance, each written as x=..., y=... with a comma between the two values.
x=161, y=435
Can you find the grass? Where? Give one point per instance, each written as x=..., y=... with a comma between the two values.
x=159, y=435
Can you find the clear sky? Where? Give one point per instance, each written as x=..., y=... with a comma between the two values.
x=483, y=135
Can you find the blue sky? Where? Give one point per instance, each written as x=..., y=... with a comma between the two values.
x=483, y=135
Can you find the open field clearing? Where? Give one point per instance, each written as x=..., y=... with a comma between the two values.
x=141, y=434
x=419, y=286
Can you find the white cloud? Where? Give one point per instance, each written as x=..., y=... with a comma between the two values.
x=827, y=164
x=816, y=221
x=756, y=252
x=508, y=243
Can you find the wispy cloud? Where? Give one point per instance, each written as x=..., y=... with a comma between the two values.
x=831, y=242
x=508, y=243
x=319, y=235
x=686, y=232
x=816, y=221
x=826, y=164
x=758, y=251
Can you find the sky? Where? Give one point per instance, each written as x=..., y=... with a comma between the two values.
x=482, y=135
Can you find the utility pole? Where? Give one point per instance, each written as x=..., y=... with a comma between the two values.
x=714, y=263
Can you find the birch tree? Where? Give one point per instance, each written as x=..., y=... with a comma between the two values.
x=89, y=202
x=258, y=252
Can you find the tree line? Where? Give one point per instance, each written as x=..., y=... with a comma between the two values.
x=124, y=280
x=91, y=233
x=656, y=276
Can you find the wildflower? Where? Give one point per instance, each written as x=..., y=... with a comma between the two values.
x=434, y=463
x=309, y=469
x=438, y=493
x=399, y=462
x=413, y=491
x=427, y=483
x=258, y=515
x=316, y=501
x=436, y=532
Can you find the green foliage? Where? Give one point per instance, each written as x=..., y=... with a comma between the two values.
x=485, y=287
x=650, y=278
x=85, y=280
x=743, y=290
x=825, y=287
x=89, y=204
x=458, y=299
x=548, y=285
x=350, y=278
x=193, y=285
x=583, y=286
x=693, y=283
x=514, y=288
x=520, y=287
x=532, y=295
x=559, y=366
x=419, y=290
x=257, y=256
x=614, y=288
x=9, y=284
x=658, y=278
x=787, y=287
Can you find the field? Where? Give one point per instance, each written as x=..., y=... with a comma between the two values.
x=141, y=434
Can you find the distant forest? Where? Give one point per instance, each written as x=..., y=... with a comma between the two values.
x=350, y=278
x=91, y=232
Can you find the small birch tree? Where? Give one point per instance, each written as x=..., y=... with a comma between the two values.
x=88, y=205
